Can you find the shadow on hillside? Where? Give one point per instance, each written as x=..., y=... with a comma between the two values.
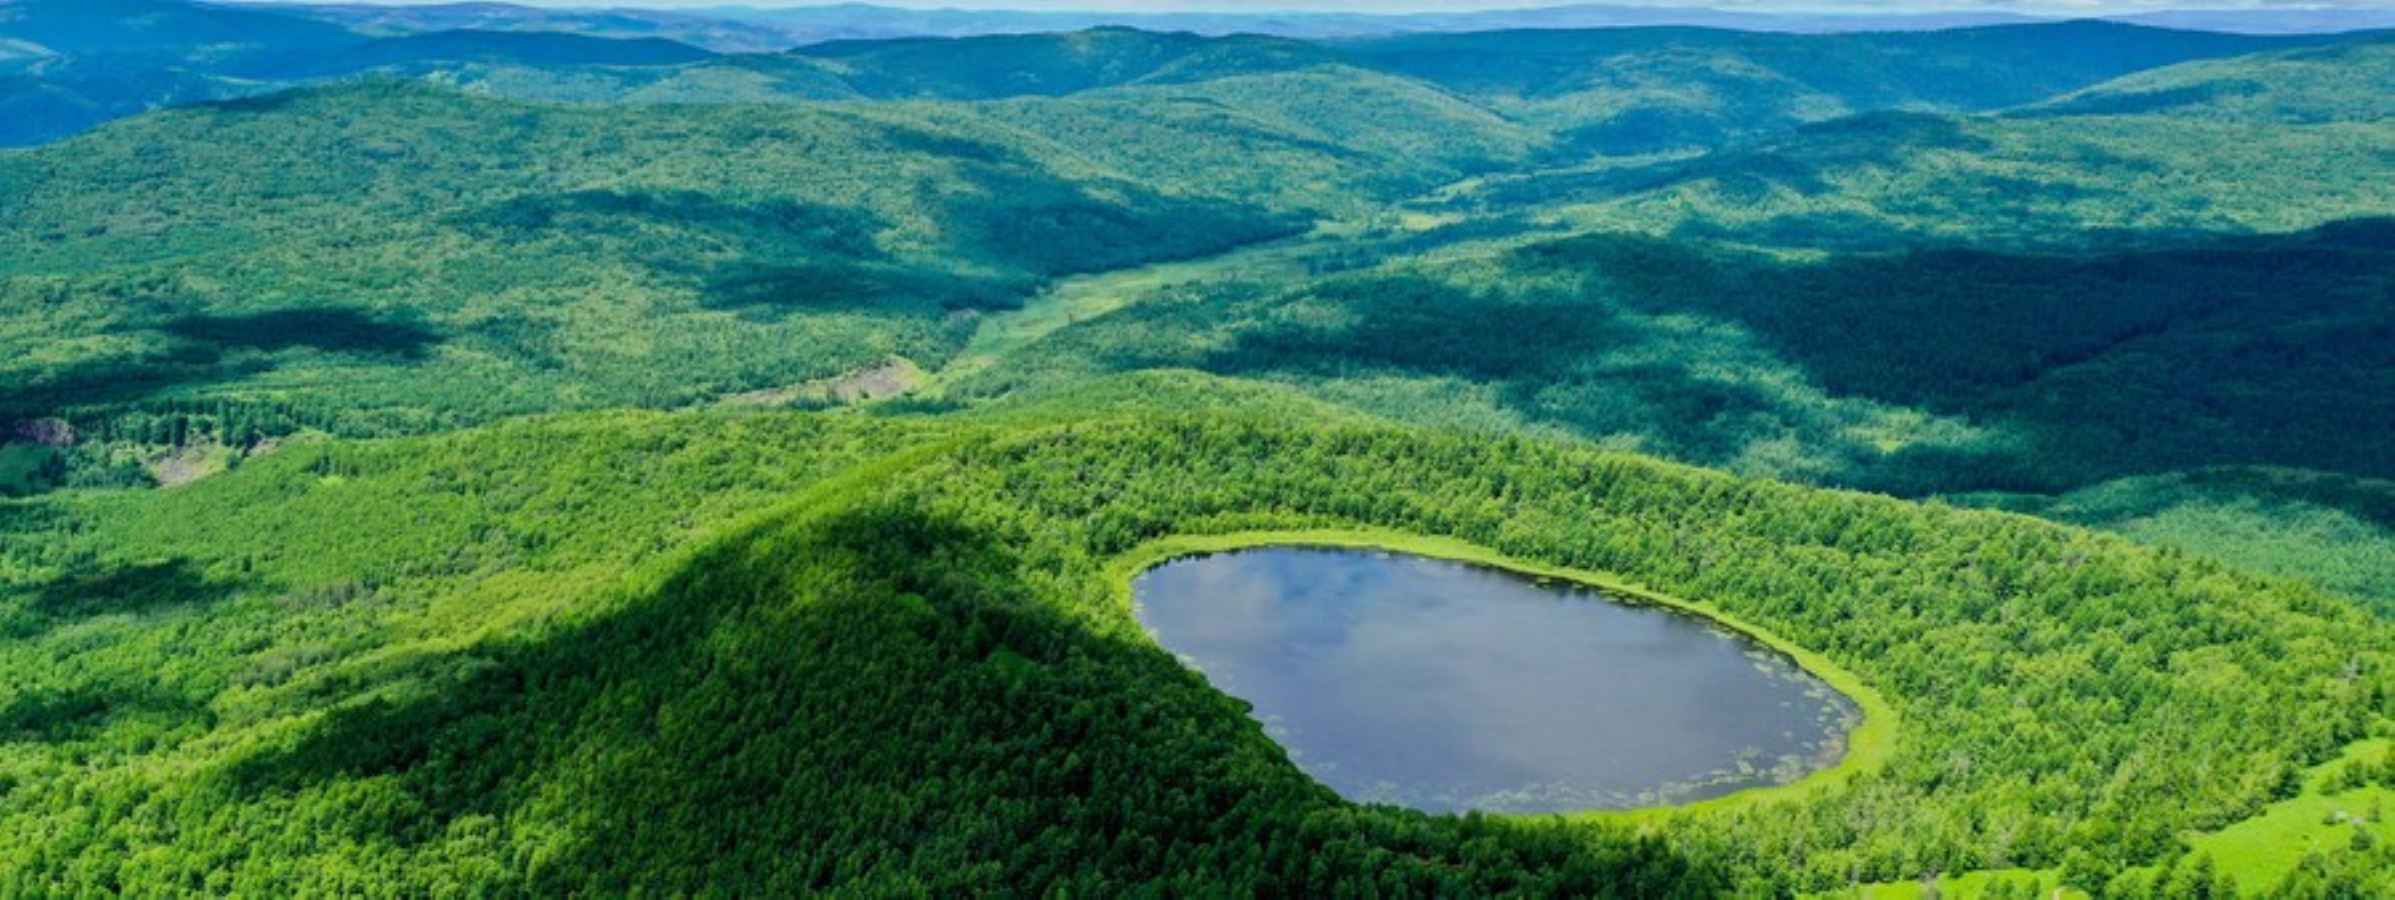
x=1543, y=351
x=773, y=224
x=879, y=691
x=2368, y=500
x=1049, y=228
x=28, y=517
x=50, y=715
x=774, y=696
x=774, y=290
x=206, y=349
x=2264, y=350
x=1799, y=161
x=129, y=588
x=331, y=330
x=2247, y=350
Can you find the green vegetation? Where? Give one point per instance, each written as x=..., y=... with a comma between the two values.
x=2341, y=815
x=657, y=258
x=1932, y=371
x=2333, y=531
x=2307, y=86
x=401, y=490
x=1017, y=65
x=2330, y=840
x=1888, y=181
x=497, y=628
x=1618, y=92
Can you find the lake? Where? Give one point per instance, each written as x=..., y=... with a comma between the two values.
x=1446, y=686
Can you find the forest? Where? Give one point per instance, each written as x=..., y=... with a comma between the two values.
x=631, y=455
x=456, y=667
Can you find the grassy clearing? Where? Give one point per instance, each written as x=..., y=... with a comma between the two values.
x=1966, y=885
x=2257, y=853
x=1868, y=745
x=2260, y=851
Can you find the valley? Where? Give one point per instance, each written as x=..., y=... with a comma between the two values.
x=515, y=452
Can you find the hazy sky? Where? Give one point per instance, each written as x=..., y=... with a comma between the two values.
x=1851, y=6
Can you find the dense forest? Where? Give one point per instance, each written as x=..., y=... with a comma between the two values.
x=623, y=454
x=448, y=678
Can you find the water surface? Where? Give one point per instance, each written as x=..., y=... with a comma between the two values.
x=1446, y=686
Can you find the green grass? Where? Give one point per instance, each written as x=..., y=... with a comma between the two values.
x=2260, y=851
x=353, y=634
x=886, y=650
x=2256, y=853
x=1964, y=886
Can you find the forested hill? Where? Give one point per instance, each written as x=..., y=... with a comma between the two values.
x=2019, y=304
x=1054, y=64
x=490, y=460
x=2343, y=82
x=413, y=251
x=1641, y=90
x=162, y=28
x=636, y=652
x=746, y=28
x=1618, y=90
x=2271, y=142
x=392, y=256
x=386, y=257
x=430, y=52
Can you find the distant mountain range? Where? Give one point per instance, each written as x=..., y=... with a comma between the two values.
x=408, y=483
x=66, y=65
x=735, y=28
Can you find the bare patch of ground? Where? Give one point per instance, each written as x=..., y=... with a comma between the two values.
x=180, y=467
x=895, y=377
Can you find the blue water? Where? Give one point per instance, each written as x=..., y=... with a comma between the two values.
x=1447, y=687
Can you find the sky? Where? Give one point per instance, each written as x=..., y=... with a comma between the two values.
x=1881, y=7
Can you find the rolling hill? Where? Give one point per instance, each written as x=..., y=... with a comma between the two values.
x=1913, y=303
x=1614, y=91
x=2303, y=144
x=761, y=248
x=477, y=450
x=77, y=64
x=426, y=52
x=2337, y=83
x=718, y=33
x=1631, y=91
x=860, y=21
x=160, y=28
x=635, y=652
x=1922, y=372
x=175, y=263
x=994, y=67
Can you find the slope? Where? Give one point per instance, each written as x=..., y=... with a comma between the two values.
x=1643, y=90
x=1051, y=64
x=2338, y=83
x=717, y=33
x=424, y=52
x=163, y=28
x=511, y=688
x=389, y=257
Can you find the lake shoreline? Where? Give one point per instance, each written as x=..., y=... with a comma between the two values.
x=1868, y=745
